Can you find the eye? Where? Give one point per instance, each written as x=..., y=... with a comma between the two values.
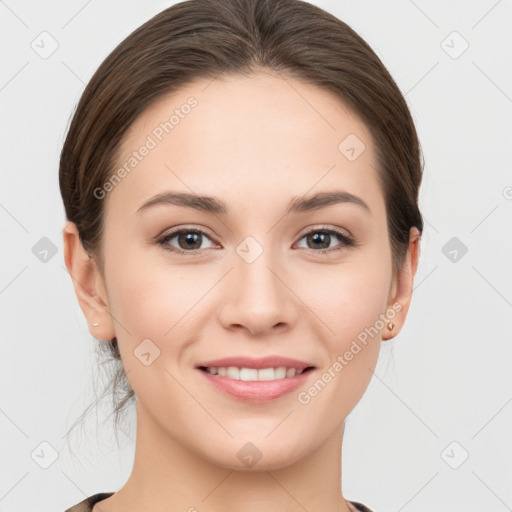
x=189, y=240
x=320, y=240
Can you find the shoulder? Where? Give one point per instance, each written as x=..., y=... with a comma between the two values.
x=355, y=506
x=87, y=504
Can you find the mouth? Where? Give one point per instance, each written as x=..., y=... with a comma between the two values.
x=256, y=380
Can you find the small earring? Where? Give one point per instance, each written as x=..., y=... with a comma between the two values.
x=95, y=325
x=391, y=325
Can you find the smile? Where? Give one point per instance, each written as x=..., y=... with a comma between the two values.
x=253, y=374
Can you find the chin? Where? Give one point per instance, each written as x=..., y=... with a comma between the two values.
x=254, y=456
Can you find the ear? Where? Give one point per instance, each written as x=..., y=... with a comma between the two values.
x=88, y=283
x=401, y=292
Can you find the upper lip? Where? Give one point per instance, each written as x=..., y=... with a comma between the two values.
x=257, y=363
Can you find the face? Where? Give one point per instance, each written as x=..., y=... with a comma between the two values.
x=260, y=269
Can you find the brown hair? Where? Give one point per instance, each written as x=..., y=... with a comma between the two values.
x=209, y=38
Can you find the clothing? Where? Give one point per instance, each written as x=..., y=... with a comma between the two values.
x=87, y=504
x=358, y=507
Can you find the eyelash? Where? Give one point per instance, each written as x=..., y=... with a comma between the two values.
x=347, y=241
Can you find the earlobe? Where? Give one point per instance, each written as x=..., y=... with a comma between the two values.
x=87, y=280
x=403, y=285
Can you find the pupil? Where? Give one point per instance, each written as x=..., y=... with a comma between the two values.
x=322, y=237
x=189, y=238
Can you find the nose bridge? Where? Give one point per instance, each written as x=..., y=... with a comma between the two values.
x=255, y=267
x=260, y=300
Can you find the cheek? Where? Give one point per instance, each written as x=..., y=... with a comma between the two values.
x=152, y=327
x=161, y=303
x=352, y=305
x=150, y=297
x=349, y=299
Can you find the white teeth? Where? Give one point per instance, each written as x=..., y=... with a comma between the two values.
x=248, y=374
x=280, y=372
x=290, y=372
x=266, y=374
x=253, y=374
x=233, y=373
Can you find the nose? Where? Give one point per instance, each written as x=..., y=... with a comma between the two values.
x=258, y=297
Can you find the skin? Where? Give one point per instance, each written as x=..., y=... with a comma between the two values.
x=254, y=142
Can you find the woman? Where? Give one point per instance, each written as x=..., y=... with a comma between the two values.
x=240, y=180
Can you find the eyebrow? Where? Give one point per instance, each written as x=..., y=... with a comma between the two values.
x=217, y=206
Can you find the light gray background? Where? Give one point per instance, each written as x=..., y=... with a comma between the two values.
x=445, y=378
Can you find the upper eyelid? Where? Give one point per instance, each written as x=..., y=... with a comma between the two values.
x=177, y=231
x=336, y=231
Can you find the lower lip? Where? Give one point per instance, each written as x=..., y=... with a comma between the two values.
x=256, y=391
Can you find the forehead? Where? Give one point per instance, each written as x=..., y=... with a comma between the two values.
x=264, y=133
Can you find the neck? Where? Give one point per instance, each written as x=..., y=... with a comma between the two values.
x=167, y=474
